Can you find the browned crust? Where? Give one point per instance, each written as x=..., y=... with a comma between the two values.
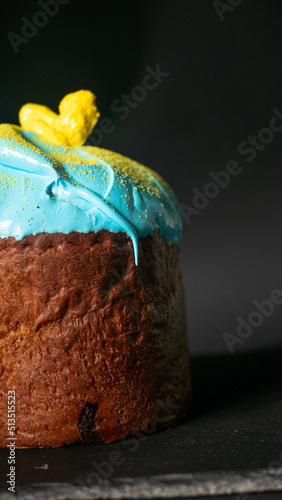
x=93, y=345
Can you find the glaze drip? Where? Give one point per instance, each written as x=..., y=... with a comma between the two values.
x=50, y=188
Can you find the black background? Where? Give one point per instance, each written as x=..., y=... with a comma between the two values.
x=224, y=80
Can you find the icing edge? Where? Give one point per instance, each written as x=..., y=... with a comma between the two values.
x=82, y=188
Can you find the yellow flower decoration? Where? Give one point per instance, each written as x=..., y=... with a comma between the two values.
x=78, y=114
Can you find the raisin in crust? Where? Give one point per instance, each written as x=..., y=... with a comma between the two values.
x=94, y=347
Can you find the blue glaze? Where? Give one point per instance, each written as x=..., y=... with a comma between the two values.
x=49, y=188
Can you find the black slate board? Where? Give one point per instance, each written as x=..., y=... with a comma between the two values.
x=232, y=443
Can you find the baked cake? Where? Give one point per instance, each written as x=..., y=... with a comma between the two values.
x=92, y=320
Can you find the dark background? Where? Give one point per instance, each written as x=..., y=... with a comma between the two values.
x=224, y=80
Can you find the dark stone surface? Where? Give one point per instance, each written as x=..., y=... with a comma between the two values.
x=232, y=438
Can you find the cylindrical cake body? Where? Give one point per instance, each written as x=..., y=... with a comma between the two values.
x=94, y=346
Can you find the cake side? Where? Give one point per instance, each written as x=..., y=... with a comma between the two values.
x=94, y=346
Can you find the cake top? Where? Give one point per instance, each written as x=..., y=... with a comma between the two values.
x=50, y=182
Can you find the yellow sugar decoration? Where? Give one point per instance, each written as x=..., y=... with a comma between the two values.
x=125, y=168
x=78, y=114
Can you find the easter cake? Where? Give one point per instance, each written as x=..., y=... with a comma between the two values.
x=93, y=340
